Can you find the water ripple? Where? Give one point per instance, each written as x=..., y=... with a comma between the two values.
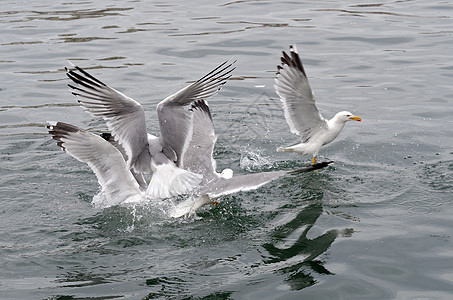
x=361, y=228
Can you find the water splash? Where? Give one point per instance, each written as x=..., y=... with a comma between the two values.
x=165, y=209
x=251, y=160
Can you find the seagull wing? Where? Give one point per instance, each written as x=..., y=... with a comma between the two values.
x=291, y=84
x=240, y=183
x=175, y=119
x=104, y=159
x=137, y=175
x=248, y=182
x=125, y=116
x=198, y=157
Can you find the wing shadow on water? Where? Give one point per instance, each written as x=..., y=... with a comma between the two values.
x=299, y=274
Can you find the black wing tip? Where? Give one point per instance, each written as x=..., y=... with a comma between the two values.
x=230, y=63
x=322, y=164
x=83, y=78
x=221, y=73
x=316, y=166
x=292, y=60
x=59, y=130
x=201, y=105
x=62, y=126
x=107, y=136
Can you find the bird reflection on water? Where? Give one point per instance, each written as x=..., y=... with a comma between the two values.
x=299, y=275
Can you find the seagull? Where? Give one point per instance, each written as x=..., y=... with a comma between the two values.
x=125, y=118
x=198, y=158
x=301, y=113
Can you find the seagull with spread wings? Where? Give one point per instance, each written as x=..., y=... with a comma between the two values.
x=125, y=118
x=301, y=113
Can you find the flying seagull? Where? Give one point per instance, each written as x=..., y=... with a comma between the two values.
x=301, y=113
x=125, y=118
x=198, y=158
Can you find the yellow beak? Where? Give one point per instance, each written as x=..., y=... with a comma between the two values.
x=355, y=118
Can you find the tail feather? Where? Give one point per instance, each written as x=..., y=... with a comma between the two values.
x=302, y=148
x=284, y=149
x=170, y=181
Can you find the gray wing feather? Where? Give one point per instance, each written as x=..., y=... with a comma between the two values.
x=175, y=119
x=240, y=183
x=198, y=157
x=104, y=159
x=125, y=116
x=291, y=84
x=248, y=182
x=138, y=176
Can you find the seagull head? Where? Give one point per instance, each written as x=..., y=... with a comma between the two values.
x=346, y=116
x=226, y=174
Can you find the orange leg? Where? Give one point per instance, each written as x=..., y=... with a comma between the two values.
x=313, y=161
